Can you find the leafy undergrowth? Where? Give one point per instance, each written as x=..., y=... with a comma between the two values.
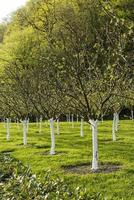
x=17, y=183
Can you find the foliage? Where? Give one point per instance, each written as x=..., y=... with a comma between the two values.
x=60, y=56
x=17, y=182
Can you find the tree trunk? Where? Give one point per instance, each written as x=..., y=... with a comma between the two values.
x=52, y=151
x=132, y=114
x=25, y=132
x=94, y=125
x=113, y=127
x=10, y=121
x=81, y=128
x=116, y=121
x=8, y=128
x=40, y=128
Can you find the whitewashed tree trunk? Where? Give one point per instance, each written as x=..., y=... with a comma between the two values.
x=116, y=121
x=8, y=129
x=113, y=127
x=94, y=125
x=40, y=128
x=58, y=126
x=52, y=151
x=81, y=128
x=72, y=121
x=25, y=131
x=132, y=114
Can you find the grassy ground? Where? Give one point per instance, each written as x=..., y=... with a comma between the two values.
x=73, y=150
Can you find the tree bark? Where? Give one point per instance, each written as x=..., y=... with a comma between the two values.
x=40, y=128
x=52, y=151
x=132, y=114
x=25, y=131
x=94, y=125
x=116, y=122
x=113, y=127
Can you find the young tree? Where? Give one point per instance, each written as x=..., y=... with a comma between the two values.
x=92, y=40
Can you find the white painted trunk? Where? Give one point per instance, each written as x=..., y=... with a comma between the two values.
x=81, y=128
x=113, y=127
x=94, y=125
x=52, y=151
x=40, y=128
x=8, y=129
x=72, y=121
x=25, y=122
x=58, y=126
x=116, y=121
x=132, y=114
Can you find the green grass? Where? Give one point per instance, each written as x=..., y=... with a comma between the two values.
x=72, y=150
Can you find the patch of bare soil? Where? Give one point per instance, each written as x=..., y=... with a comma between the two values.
x=84, y=169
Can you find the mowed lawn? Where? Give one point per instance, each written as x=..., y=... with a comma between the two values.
x=71, y=149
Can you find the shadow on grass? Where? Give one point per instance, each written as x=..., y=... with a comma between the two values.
x=8, y=151
x=42, y=146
